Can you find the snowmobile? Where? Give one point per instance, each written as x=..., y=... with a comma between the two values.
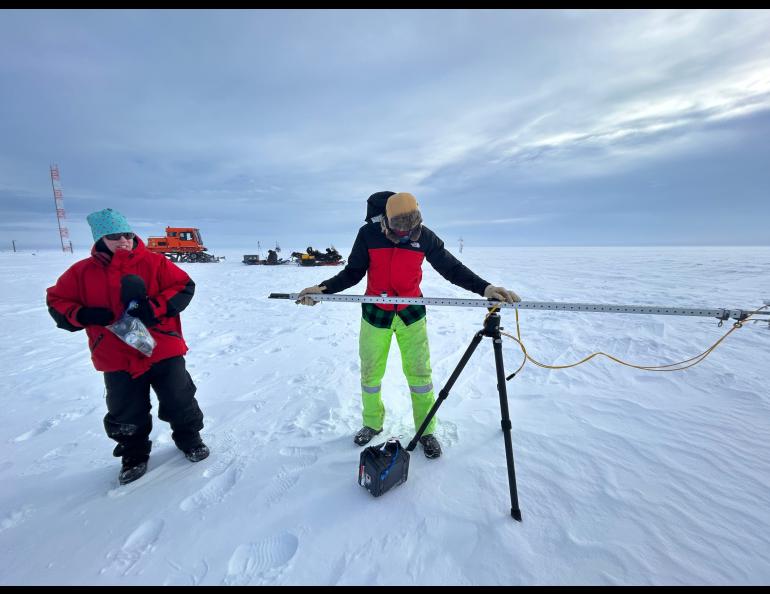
x=312, y=257
x=271, y=260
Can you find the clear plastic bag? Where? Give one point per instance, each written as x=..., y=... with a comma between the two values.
x=133, y=332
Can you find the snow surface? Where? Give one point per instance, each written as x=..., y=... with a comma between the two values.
x=624, y=476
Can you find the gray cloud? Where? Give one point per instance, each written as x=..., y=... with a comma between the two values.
x=552, y=127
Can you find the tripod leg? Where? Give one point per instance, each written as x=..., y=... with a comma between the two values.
x=506, y=425
x=442, y=395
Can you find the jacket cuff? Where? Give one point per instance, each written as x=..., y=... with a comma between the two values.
x=72, y=317
x=158, y=309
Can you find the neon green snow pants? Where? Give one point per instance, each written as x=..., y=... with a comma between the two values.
x=373, y=347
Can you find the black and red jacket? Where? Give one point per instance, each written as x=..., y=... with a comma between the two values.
x=396, y=269
x=95, y=282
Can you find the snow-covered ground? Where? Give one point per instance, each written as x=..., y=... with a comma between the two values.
x=624, y=476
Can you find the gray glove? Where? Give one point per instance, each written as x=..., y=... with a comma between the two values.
x=500, y=294
x=304, y=295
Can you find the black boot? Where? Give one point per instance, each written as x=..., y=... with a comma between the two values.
x=131, y=469
x=365, y=435
x=197, y=453
x=430, y=446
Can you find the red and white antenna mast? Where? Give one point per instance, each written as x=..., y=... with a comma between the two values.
x=58, y=198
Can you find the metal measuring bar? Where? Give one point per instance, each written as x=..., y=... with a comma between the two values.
x=719, y=313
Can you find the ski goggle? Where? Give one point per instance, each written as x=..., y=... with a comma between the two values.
x=401, y=233
x=398, y=232
x=116, y=236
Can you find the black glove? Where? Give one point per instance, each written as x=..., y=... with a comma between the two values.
x=94, y=316
x=143, y=312
x=132, y=288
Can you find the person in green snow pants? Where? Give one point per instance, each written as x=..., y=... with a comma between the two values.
x=389, y=250
x=373, y=348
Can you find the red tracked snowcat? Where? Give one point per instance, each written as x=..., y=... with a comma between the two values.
x=181, y=244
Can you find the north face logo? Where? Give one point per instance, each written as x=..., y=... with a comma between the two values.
x=415, y=244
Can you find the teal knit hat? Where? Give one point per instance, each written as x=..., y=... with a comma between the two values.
x=104, y=222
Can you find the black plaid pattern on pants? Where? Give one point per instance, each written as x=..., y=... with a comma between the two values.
x=382, y=318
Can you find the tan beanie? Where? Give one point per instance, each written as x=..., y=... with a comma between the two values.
x=400, y=204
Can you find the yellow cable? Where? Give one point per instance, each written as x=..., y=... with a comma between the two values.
x=667, y=367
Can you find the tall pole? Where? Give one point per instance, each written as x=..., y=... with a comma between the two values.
x=58, y=199
x=13, y=241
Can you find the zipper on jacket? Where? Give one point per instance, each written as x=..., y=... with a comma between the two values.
x=168, y=332
x=97, y=341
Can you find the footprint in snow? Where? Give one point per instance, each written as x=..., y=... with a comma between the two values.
x=140, y=542
x=214, y=491
x=261, y=562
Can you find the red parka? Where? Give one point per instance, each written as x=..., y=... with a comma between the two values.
x=95, y=282
x=396, y=270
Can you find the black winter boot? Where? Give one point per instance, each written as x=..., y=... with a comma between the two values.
x=131, y=469
x=430, y=446
x=365, y=435
x=197, y=453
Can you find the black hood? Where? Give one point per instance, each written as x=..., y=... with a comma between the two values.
x=375, y=206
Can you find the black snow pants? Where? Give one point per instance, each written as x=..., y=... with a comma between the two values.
x=128, y=420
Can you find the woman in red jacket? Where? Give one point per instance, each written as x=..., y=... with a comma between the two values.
x=94, y=293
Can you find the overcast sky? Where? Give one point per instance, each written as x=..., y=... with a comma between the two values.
x=511, y=127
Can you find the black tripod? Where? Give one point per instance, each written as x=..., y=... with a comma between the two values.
x=492, y=330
